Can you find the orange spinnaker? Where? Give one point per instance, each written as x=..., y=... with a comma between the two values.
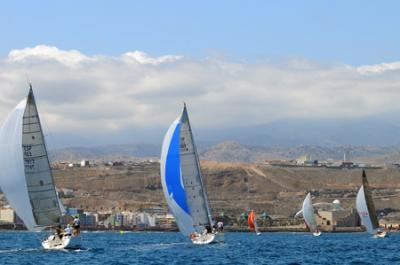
x=250, y=220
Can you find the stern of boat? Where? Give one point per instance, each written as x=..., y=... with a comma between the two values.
x=66, y=242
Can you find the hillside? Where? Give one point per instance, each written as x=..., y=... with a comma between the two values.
x=232, y=187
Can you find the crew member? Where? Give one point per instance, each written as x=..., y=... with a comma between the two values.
x=220, y=226
x=59, y=232
x=76, y=224
x=68, y=230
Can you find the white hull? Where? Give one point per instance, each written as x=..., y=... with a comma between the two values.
x=258, y=233
x=54, y=242
x=380, y=234
x=203, y=239
x=316, y=233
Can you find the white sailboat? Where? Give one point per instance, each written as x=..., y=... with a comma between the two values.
x=308, y=215
x=182, y=182
x=366, y=209
x=25, y=176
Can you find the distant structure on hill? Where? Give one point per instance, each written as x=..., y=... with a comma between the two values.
x=332, y=215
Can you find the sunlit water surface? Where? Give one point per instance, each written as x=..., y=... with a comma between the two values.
x=173, y=248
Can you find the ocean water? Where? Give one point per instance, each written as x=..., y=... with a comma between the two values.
x=173, y=248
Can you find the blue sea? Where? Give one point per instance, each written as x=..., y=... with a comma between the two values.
x=173, y=248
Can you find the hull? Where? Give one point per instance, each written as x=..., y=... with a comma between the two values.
x=318, y=233
x=202, y=239
x=381, y=234
x=54, y=242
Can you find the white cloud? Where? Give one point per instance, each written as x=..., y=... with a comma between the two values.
x=42, y=52
x=379, y=68
x=143, y=58
x=76, y=92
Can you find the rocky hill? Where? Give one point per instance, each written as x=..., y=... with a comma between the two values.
x=232, y=187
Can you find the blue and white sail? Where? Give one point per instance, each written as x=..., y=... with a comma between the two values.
x=25, y=176
x=181, y=178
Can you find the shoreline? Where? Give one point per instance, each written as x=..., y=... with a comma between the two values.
x=230, y=229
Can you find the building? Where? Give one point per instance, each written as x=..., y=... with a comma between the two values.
x=65, y=193
x=88, y=219
x=146, y=219
x=85, y=163
x=328, y=218
x=166, y=221
x=73, y=211
x=7, y=215
x=72, y=165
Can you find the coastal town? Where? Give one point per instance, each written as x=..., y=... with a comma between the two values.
x=97, y=212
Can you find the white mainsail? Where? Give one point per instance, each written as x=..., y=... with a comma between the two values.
x=181, y=178
x=191, y=176
x=26, y=178
x=308, y=213
x=365, y=207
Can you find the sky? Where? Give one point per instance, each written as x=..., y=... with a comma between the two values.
x=124, y=67
x=353, y=32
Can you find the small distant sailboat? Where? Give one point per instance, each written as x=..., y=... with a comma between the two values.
x=308, y=215
x=252, y=221
x=366, y=209
x=182, y=182
x=25, y=177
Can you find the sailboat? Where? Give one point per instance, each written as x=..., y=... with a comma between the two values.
x=252, y=221
x=25, y=177
x=308, y=215
x=366, y=209
x=182, y=182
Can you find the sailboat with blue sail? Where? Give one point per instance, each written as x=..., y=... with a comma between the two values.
x=183, y=184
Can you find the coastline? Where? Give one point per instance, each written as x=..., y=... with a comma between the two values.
x=230, y=229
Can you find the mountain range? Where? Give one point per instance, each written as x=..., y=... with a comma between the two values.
x=231, y=151
x=365, y=131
